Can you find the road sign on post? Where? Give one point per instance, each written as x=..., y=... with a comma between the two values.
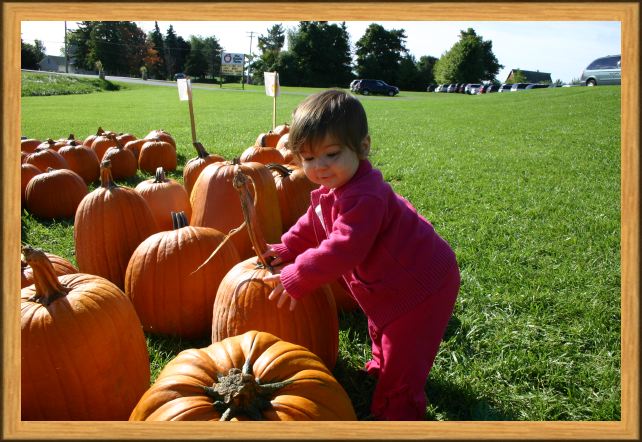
x=232, y=64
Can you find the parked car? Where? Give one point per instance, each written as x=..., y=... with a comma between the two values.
x=353, y=83
x=604, y=70
x=179, y=75
x=505, y=87
x=471, y=88
x=431, y=88
x=452, y=88
x=490, y=87
x=538, y=86
x=519, y=87
x=367, y=87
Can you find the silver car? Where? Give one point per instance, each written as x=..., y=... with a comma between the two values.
x=604, y=70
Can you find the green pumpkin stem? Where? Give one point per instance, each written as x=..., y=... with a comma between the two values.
x=48, y=287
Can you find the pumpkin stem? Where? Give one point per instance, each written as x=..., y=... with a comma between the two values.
x=71, y=137
x=239, y=392
x=248, y=206
x=179, y=220
x=48, y=287
x=100, y=131
x=106, y=180
x=284, y=171
x=202, y=153
x=159, y=177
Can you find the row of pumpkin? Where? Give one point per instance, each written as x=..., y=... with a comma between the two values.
x=134, y=276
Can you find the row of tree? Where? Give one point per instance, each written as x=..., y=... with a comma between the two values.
x=318, y=54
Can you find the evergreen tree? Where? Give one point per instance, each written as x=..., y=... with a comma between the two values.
x=157, y=70
x=212, y=51
x=270, y=46
x=171, y=51
x=196, y=64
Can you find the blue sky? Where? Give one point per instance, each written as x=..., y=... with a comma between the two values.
x=562, y=48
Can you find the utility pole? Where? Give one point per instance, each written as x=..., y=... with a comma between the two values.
x=251, y=33
x=66, y=53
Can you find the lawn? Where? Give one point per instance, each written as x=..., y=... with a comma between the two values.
x=524, y=186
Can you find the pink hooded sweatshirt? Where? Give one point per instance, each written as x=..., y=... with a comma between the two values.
x=389, y=256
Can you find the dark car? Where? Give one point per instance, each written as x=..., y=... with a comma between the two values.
x=179, y=75
x=491, y=88
x=505, y=87
x=367, y=87
x=431, y=88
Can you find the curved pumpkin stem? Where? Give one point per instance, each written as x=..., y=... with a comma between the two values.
x=100, y=131
x=283, y=171
x=179, y=220
x=48, y=287
x=202, y=153
x=159, y=177
x=106, y=180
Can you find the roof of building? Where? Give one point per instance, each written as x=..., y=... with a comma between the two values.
x=533, y=76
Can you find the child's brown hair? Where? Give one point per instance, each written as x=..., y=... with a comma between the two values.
x=332, y=112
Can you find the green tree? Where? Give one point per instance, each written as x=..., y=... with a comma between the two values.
x=170, y=51
x=212, y=51
x=196, y=64
x=157, y=68
x=425, y=68
x=470, y=60
x=31, y=54
x=408, y=75
x=270, y=46
x=518, y=77
x=322, y=55
x=380, y=53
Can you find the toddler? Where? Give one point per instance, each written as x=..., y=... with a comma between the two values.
x=358, y=230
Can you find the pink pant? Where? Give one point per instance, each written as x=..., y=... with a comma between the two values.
x=403, y=353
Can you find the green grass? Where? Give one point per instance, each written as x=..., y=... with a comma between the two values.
x=43, y=84
x=524, y=186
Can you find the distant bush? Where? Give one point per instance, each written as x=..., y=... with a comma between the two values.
x=43, y=84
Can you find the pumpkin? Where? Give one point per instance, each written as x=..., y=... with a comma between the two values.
x=281, y=129
x=81, y=160
x=195, y=166
x=27, y=171
x=268, y=139
x=169, y=297
x=125, y=138
x=134, y=146
x=60, y=265
x=110, y=223
x=55, y=193
x=251, y=376
x=29, y=145
x=264, y=155
x=242, y=303
x=63, y=142
x=288, y=156
x=157, y=153
x=83, y=353
x=103, y=142
x=45, y=158
x=123, y=162
x=47, y=144
x=90, y=139
x=164, y=196
x=162, y=135
x=215, y=202
x=293, y=188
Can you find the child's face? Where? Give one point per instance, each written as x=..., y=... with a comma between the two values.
x=329, y=163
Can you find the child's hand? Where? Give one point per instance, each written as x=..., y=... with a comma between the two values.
x=279, y=292
x=270, y=253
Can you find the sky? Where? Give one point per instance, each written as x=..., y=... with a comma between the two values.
x=561, y=48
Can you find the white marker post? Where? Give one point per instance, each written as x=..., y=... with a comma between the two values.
x=272, y=89
x=185, y=94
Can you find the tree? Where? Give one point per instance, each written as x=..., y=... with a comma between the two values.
x=270, y=46
x=380, y=53
x=196, y=64
x=518, y=77
x=408, y=75
x=171, y=51
x=322, y=55
x=470, y=60
x=212, y=51
x=425, y=69
x=31, y=54
x=157, y=66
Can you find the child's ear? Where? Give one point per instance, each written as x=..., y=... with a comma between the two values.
x=365, y=147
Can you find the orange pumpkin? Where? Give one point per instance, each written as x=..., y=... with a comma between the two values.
x=252, y=376
x=288, y=156
x=55, y=193
x=162, y=135
x=263, y=155
x=195, y=166
x=268, y=139
x=124, y=138
x=293, y=188
x=103, y=142
x=83, y=353
x=281, y=129
x=134, y=146
x=45, y=158
x=90, y=139
x=47, y=144
x=29, y=145
x=27, y=171
x=169, y=297
x=63, y=142
x=60, y=265
x=81, y=160
x=123, y=162
x=110, y=223
x=242, y=302
x=215, y=202
x=157, y=153
x=164, y=196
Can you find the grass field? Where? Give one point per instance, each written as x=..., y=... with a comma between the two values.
x=524, y=186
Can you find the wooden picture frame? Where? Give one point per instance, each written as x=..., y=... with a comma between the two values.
x=626, y=13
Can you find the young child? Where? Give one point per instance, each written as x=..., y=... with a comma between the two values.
x=401, y=272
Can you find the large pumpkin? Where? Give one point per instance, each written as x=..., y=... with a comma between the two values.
x=169, y=296
x=27, y=171
x=55, y=193
x=242, y=302
x=254, y=376
x=45, y=158
x=83, y=353
x=195, y=166
x=215, y=202
x=264, y=155
x=110, y=223
x=157, y=153
x=162, y=135
x=164, y=196
x=103, y=142
x=123, y=162
x=29, y=144
x=293, y=188
x=81, y=160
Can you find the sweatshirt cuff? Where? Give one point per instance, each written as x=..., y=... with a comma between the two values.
x=294, y=285
x=283, y=252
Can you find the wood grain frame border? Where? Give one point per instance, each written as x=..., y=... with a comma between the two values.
x=626, y=13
